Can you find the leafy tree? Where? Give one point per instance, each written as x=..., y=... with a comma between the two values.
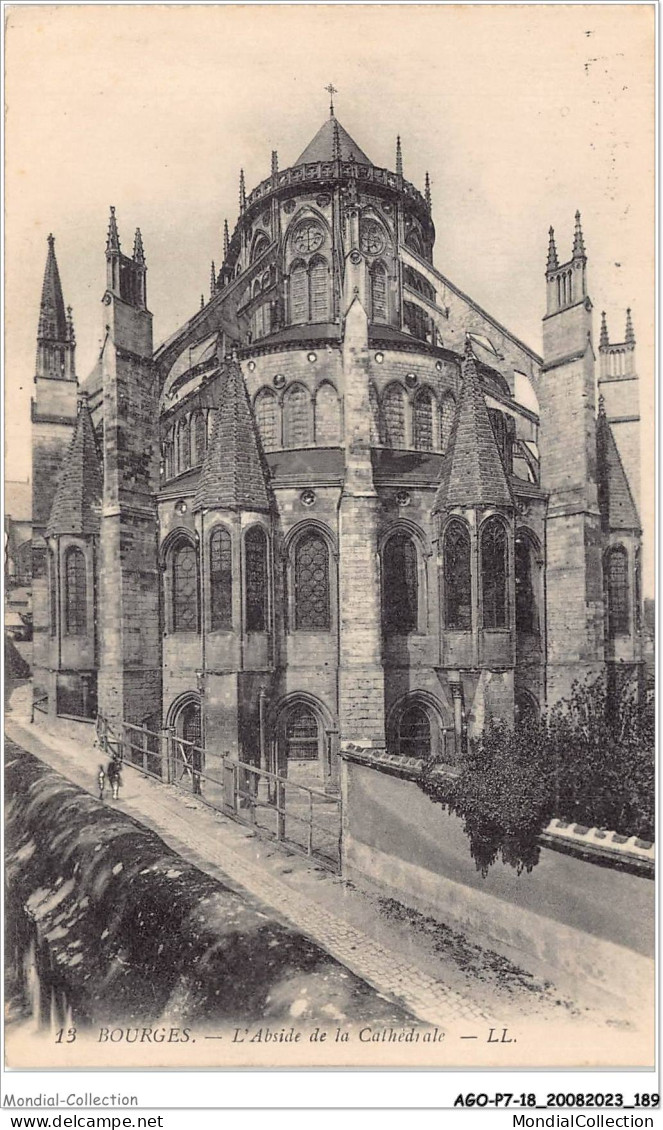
x=591, y=761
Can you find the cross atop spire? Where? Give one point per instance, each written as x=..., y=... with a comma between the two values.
x=629, y=338
x=578, y=241
x=331, y=91
x=399, y=157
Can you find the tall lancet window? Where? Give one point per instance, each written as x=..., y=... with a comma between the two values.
x=199, y=427
x=423, y=420
x=266, y=410
x=312, y=583
x=298, y=293
x=319, y=290
x=394, y=415
x=52, y=593
x=75, y=592
x=400, y=586
x=616, y=570
x=379, y=300
x=185, y=588
x=256, y=579
x=494, y=574
x=220, y=580
x=297, y=417
x=457, y=577
x=327, y=416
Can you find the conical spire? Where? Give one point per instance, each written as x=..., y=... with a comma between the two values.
x=139, y=254
x=234, y=475
x=399, y=157
x=473, y=473
x=427, y=192
x=113, y=240
x=323, y=146
x=77, y=502
x=226, y=240
x=578, y=241
x=604, y=340
x=629, y=337
x=553, y=262
x=52, y=319
x=242, y=191
x=618, y=509
x=275, y=162
x=212, y=280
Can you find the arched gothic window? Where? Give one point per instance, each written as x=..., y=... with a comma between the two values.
x=446, y=420
x=377, y=428
x=414, y=732
x=52, y=593
x=266, y=409
x=260, y=245
x=318, y=290
x=311, y=569
x=457, y=577
x=199, y=427
x=413, y=241
x=185, y=587
x=256, y=579
x=400, y=584
x=526, y=611
x=327, y=416
x=423, y=420
x=75, y=592
x=302, y=733
x=298, y=293
x=379, y=299
x=394, y=415
x=220, y=580
x=494, y=574
x=616, y=569
x=297, y=417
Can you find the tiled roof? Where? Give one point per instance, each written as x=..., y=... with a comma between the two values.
x=52, y=320
x=618, y=510
x=473, y=473
x=321, y=148
x=234, y=474
x=77, y=502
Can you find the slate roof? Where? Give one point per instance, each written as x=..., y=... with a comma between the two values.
x=77, y=501
x=234, y=475
x=473, y=473
x=321, y=148
x=52, y=319
x=618, y=510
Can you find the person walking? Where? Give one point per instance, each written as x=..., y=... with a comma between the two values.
x=101, y=778
x=114, y=778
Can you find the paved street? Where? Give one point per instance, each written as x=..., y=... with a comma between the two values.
x=437, y=975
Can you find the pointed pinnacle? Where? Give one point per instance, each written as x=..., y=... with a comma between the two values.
x=427, y=192
x=578, y=241
x=212, y=280
x=399, y=157
x=139, y=254
x=226, y=240
x=629, y=337
x=242, y=191
x=601, y=404
x=113, y=240
x=275, y=162
x=50, y=239
x=604, y=340
x=553, y=262
x=202, y=302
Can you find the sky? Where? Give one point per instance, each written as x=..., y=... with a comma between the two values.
x=521, y=113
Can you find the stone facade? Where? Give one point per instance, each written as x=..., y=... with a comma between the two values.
x=327, y=518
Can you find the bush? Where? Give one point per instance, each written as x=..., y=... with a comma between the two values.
x=591, y=761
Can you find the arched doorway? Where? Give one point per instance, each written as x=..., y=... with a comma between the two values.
x=414, y=732
x=188, y=753
x=300, y=754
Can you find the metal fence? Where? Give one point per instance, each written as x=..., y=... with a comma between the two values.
x=303, y=818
